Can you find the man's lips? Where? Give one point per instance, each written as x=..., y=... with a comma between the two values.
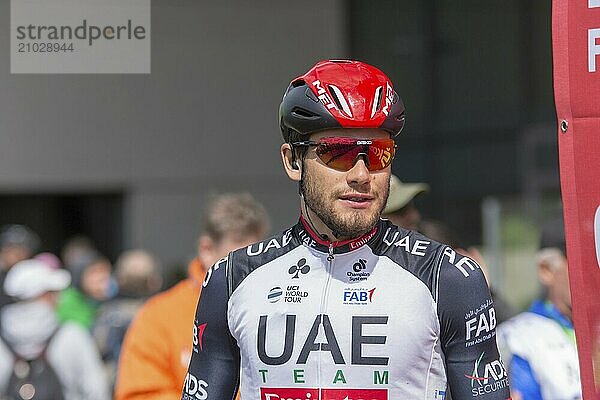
x=356, y=200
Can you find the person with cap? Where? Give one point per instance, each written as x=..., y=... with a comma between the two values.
x=17, y=243
x=138, y=276
x=539, y=344
x=400, y=208
x=158, y=344
x=344, y=304
x=92, y=284
x=30, y=327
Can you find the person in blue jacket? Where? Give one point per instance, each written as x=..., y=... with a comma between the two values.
x=539, y=345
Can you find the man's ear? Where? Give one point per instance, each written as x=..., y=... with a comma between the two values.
x=206, y=248
x=545, y=272
x=292, y=169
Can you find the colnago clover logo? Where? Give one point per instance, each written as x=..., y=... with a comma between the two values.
x=487, y=378
x=299, y=268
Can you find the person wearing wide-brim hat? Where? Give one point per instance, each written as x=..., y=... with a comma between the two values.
x=400, y=208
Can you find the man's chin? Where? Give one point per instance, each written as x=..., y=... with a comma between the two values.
x=370, y=213
x=358, y=221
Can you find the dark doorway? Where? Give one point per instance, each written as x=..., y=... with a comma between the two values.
x=58, y=217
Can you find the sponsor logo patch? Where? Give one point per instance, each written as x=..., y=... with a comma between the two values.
x=480, y=324
x=198, y=335
x=194, y=388
x=359, y=265
x=274, y=294
x=358, y=273
x=293, y=294
x=359, y=296
x=299, y=268
x=328, y=394
x=487, y=378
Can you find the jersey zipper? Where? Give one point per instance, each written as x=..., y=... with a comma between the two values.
x=324, y=304
x=330, y=256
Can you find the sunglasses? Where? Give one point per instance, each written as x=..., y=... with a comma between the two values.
x=341, y=153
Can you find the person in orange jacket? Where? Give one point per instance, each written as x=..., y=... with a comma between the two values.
x=157, y=347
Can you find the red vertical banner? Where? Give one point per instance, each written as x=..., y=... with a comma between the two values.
x=576, y=58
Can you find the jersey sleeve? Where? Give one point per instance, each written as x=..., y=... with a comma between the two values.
x=468, y=330
x=213, y=372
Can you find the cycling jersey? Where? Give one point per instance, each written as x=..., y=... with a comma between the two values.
x=390, y=315
x=540, y=351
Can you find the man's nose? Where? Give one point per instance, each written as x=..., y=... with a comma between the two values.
x=359, y=174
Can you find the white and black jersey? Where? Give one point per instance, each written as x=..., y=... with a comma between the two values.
x=390, y=315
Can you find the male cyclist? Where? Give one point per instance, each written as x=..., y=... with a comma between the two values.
x=344, y=305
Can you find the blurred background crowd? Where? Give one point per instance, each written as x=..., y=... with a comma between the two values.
x=101, y=330
x=106, y=176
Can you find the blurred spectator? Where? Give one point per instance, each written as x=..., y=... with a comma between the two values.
x=49, y=259
x=440, y=232
x=538, y=346
x=17, y=243
x=76, y=248
x=400, y=208
x=92, y=284
x=138, y=276
x=158, y=344
x=30, y=329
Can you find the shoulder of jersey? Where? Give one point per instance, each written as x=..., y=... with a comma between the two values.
x=411, y=251
x=247, y=259
x=406, y=247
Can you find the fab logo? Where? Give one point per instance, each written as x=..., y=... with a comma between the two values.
x=358, y=296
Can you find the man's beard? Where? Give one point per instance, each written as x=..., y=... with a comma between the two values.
x=352, y=225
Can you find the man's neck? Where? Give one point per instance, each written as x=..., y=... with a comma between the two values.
x=321, y=229
x=317, y=225
x=564, y=310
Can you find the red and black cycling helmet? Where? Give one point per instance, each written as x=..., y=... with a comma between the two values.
x=341, y=94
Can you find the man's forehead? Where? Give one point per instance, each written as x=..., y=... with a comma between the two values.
x=351, y=132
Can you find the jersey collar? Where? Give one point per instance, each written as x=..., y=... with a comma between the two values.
x=309, y=237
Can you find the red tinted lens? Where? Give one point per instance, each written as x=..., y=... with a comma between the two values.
x=341, y=153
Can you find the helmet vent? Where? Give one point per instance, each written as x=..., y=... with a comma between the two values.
x=340, y=100
x=377, y=100
x=303, y=113
x=298, y=83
